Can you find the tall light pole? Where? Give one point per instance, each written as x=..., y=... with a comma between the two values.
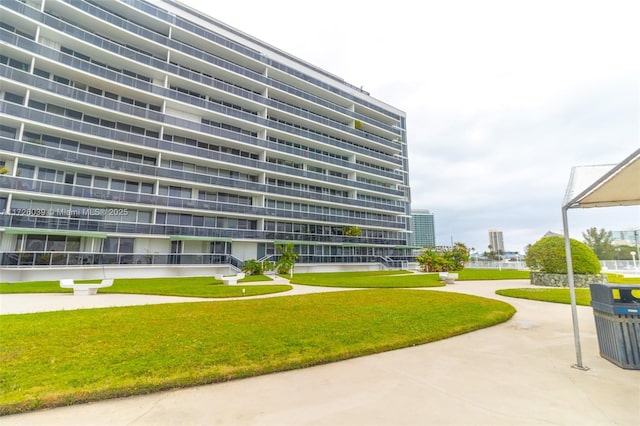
x=633, y=255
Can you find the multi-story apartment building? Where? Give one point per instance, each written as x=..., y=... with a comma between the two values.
x=496, y=241
x=143, y=132
x=423, y=228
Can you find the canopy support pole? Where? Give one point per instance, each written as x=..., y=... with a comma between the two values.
x=572, y=292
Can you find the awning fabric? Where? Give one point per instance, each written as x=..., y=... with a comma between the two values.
x=298, y=243
x=35, y=231
x=194, y=238
x=605, y=185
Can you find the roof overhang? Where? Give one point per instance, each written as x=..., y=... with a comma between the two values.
x=597, y=186
x=605, y=185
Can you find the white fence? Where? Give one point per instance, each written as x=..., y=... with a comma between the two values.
x=621, y=266
x=626, y=267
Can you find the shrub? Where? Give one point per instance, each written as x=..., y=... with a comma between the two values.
x=548, y=255
x=254, y=267
x=443, y=260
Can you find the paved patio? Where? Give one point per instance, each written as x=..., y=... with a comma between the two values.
x=515, y=373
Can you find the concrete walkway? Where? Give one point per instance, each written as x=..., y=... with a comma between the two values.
x=516, y=373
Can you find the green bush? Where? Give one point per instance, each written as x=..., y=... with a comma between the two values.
x=255, y=267
x=548, y=255
x=443, y=260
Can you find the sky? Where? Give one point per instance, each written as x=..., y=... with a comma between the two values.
x=502, y=98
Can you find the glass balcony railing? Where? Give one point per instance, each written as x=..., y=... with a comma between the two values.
x=122, y=198
x=88, y=67
x=46, y=223
x=193, y=52
x=87, y=128
x=30, y=259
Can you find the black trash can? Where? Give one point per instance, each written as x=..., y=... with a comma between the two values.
x=616, y=309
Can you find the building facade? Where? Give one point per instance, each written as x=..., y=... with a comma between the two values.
x=629, y=237
x=137, y=132
x=423, y=228
x=496, y=242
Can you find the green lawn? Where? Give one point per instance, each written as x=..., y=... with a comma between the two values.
x=492, y=274
x=60, y=358
x=178, y=286
x=561, y=295
x=552, y=294
x=621, y=279
x=369, y=279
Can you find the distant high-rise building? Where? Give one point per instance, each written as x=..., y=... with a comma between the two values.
x=423, y=227
x=627, y=237
x=496, y=242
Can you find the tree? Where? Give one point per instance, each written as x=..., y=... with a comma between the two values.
x=352, y=231
x=444, y=260
x=548, y=255
x=599, y=242
x=288, y=258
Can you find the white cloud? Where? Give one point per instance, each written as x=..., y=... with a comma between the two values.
x=502, y=97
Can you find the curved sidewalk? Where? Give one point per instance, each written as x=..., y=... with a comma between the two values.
x=515, y=373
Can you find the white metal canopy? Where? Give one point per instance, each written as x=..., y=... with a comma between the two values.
x=597, y=186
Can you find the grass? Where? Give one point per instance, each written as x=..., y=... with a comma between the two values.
x=400, y=279
x=60, y=358
x=492, y=274
x=555, y=295
x=621, y=279
x=562, y=295
x=368, y=279
x=178, y=286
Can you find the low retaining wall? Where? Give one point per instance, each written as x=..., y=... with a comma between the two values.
x=562, y=280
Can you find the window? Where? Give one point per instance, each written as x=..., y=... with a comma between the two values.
x=56, y=242
x=12, y=97
x=55, y=109
x=7, y=132
x=83, y=179
x=41, y=73
x=144, y=217
x=117, y=245
x=179, y=192
x=35, y=242
x=146, y=188
x=46, y=174
x=61, y=80
x=51, y=141
x=26, y=171
x=37, y=105
x=101, y=182
x=68, y=145
x=131, y=186
x=117, y=185
x=107, y=123
x=91, y=119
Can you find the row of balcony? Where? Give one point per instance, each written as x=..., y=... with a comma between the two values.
x=178, y=21
x=48, y=223
x=88, y=67
x=55, y=120
x=83, y=259
x=162, y=65
x=151, y=201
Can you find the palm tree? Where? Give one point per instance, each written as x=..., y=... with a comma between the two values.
x=287, y=259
